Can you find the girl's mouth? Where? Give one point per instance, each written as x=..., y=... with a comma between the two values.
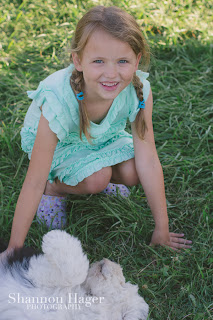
x=109, y=86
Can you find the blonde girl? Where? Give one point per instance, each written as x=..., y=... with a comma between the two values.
x=74, y=131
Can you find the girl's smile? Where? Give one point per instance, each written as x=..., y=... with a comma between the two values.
x=110, y=86
x=108, y=65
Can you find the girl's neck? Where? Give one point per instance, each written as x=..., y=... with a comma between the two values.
x=97, y=109
x=92, y=102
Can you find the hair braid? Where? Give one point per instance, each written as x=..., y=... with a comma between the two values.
x=140, y=123
x=77, y=82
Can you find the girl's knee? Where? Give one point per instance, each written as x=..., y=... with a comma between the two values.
x=98, y=181
x=126, y=173
x=133, y=179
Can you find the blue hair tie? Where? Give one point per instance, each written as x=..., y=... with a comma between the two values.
x=141, y=104
x=80, y=96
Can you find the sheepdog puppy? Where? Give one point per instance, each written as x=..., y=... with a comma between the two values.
x=58, y=284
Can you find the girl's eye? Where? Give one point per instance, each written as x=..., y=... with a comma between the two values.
x=123, y=61
x=98, y=61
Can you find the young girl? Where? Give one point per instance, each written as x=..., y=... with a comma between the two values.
x=74, y=129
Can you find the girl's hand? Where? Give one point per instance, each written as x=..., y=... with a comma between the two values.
x=174, y=241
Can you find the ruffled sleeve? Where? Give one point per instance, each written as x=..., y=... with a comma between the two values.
x=133, y=99
x=52, y=109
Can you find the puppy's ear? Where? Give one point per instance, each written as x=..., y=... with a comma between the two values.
x=135, y=307
x=64, y=252
x=63, y=263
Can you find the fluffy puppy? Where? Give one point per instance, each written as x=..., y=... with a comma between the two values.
x=58, y=284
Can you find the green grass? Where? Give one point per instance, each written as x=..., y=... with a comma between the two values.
x=34, y=42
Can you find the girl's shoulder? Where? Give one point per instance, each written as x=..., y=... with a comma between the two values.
x=132, y=98
x=146, y=84
x=57, y=79
x=58, y=103
x=142, y=75
x=57, y=84
x=131, y=93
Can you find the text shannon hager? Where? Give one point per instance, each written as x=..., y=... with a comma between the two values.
x=71, y=298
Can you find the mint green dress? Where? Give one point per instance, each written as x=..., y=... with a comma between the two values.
x=73, y=159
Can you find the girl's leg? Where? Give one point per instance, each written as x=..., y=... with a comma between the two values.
x=90, y=185
x=125, y=173
x=122, y=173
x=52, y=208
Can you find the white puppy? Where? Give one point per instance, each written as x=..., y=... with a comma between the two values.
x=58, y=284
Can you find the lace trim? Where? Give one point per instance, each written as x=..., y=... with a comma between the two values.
x=51, y=109
x=28, y=136
x=96, y=148
x=89, y=166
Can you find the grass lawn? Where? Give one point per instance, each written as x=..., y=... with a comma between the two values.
x=34, y=42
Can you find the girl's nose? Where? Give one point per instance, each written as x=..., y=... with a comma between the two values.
x=111, y=71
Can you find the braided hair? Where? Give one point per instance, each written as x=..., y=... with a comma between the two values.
x=77, y=81
x=120, y=25
x=140, y=123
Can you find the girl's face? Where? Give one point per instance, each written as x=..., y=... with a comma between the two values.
x=108, y=65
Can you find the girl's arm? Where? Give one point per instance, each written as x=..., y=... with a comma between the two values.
x=151, y=177
x=34, y=183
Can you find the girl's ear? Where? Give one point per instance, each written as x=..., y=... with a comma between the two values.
x=76, y=61
x=137, y=61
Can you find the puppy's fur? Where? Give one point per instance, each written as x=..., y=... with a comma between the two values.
x=61, y=275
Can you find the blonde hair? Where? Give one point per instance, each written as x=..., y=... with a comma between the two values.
x=122, y=26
